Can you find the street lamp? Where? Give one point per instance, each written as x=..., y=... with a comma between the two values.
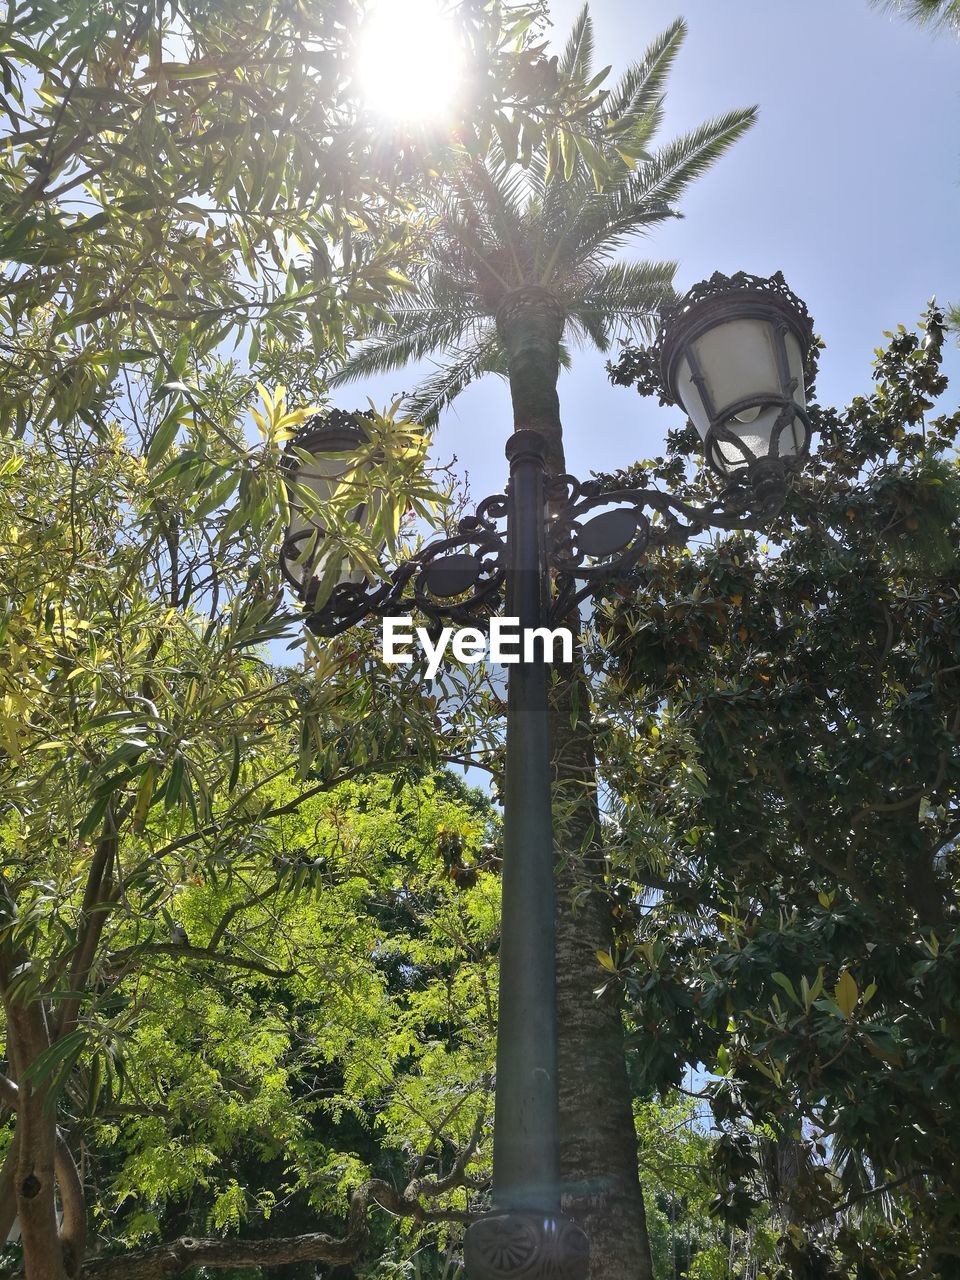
x=736, y=353
x=310, y=563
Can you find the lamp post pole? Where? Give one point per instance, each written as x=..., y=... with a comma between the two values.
x=526, y=1158
x=738, y=353
x=526, y=1231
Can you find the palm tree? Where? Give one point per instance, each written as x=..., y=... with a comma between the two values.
x=935, y=13
x=516, y=256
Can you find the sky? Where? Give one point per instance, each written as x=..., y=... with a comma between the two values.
x=849, y=183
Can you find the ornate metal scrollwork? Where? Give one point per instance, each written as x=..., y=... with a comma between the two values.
x=529, y=1245
x=595, y=534
x=458, y=578
x=596, y=548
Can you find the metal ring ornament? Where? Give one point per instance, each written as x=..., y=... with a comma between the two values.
x=534, y=1246
x=469, y=589
x=790, y=413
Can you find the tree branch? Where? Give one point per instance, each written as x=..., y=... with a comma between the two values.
x=457, y=1176
x=233, y=911
x=280, y=810
x=93, y=914
x=73, y=1227
x=186, y=952
x=9, y=1093
x=167, y=1261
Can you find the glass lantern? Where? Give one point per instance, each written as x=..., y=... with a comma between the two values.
x=737, y=353
x=306, y=557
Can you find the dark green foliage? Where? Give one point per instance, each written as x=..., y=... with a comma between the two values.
x=786, y=749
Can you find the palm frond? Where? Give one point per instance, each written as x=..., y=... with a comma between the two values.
x=623, y=300
x=629, y=288
x=561, y=198
x=590, y=327
x=483, y=217
x=412, y=337
x=644, y=199
x=495, y=189
x=454, y=374
x=567, y=200
x=640, y=89
x=934, y=13
x=852, y=1170
x=666, y=176
x=603, y=223
x=577, y=57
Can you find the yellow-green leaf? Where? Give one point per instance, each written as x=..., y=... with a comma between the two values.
x=846, y=993
x=144, y=795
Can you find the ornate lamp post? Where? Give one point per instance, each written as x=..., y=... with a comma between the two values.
x=735, y=353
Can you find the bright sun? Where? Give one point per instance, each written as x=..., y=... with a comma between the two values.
x=410, y=62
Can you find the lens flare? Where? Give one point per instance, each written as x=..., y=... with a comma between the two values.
x=410, y=62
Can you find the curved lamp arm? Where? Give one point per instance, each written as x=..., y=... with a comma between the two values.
x=595, y=536
x=600, y=534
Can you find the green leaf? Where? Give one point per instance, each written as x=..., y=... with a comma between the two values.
x=53, y=1064
x=783, y=981
x=846, y=993
x=164, y=435
x=235, y=765
x=594, y=160
x=174, y=785
x=94, y=815
x=568, y=150
x=508, y=131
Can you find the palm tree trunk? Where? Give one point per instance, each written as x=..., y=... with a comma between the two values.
x=530, y=325
x=598, y=1147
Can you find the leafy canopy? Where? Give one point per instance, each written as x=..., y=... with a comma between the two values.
x=783, y=739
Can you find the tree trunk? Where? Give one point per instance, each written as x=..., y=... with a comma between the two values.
x=598, y=1143
x=598, y=1147
x=782, y=1160
x=530, y=325
x=36, y=1189
x=46, y=1255
x=8, y=1192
